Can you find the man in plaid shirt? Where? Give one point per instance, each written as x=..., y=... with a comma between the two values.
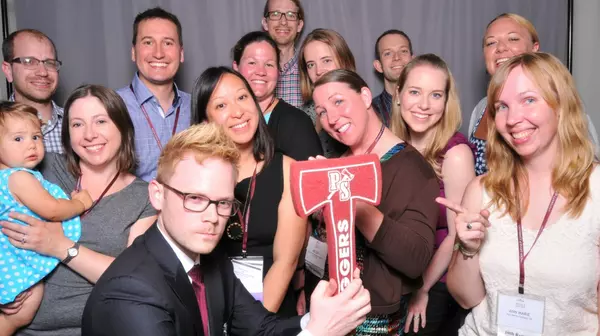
x=31, y=65
x=284, y=20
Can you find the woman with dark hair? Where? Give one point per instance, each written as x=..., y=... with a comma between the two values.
x=256, y=57
x=263, y=236
x=394, y=241
x=97, y=136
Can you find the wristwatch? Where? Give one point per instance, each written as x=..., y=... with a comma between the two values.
x=72, y=252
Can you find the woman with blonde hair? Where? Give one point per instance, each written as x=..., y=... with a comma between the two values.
x=528, y=230
x=506, y=36
x=426, y=113
x=323, y=50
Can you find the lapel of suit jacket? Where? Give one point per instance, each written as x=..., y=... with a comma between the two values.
x=215, y=295
x=174, y=274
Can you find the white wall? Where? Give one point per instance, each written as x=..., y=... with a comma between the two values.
x=586, y=54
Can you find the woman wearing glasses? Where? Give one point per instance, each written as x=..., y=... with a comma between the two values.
x=267, y=234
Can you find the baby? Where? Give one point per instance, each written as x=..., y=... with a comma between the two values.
x=25, y=191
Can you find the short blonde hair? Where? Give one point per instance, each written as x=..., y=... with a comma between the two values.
x=521, y=21
x=451, y=119
x=203, y=141
x=507, y=180
x=10, y=109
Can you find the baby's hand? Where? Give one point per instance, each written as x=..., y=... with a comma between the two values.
x=84, y=197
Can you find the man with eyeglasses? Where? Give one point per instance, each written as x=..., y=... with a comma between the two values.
x=157, y=107
x=172, y=280
x=31, y=64
x=284, y=20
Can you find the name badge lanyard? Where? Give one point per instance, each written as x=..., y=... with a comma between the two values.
x=78, y=188
x=150, y=121
x=244, y=218
x=522, y=257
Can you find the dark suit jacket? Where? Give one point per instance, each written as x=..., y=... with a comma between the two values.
x=293, y=132
x=146, y=291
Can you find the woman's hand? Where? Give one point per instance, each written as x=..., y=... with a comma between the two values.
x=38, y=236
x=21, y=313
x=470, y=227
x=318, y=157
x=416, y=311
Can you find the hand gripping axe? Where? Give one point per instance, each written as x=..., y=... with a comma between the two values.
x=336, y=185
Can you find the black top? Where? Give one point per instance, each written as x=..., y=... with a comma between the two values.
x=294, y=132
x=262, y=223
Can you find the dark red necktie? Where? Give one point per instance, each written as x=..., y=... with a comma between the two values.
x=198, y=284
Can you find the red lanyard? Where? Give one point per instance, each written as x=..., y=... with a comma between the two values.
x=520, y=237
x=78, y=188
x=246, y=215
x=158, y=142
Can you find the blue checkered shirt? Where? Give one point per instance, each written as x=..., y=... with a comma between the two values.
x=288, y=85
x=52, y=129
x=383, y=107
x=146, y=147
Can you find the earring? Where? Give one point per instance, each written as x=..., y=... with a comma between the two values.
x=398, y=102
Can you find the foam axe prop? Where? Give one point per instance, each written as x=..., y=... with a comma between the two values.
x=336, y=185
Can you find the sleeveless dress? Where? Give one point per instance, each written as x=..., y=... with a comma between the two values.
x=20, y=269
x=262, y=223
x=563, y=268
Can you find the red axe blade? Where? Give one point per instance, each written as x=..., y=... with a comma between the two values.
x=335, y=185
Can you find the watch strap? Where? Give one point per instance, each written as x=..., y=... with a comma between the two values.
x=69, y=256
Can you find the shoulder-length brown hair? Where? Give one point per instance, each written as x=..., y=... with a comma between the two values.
x=343, y=56
x=117, y=112
x=506, y=180
x=446, y=126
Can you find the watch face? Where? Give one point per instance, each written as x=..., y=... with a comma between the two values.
x=72, y=252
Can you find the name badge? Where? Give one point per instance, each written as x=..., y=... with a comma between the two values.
x=316, y=256
x=250, y=272
x=520, y=315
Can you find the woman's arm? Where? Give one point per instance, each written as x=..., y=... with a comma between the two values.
x=464, y=278
x=289, y=239
x=28, y=191
x=403, y=237
x=457, y=171
x=47, y=238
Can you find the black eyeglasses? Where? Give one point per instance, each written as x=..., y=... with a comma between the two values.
x=32, y=63
x=289, y=15
x=199, y=203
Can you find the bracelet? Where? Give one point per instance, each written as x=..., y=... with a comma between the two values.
x=466, y=253
x=298, y=290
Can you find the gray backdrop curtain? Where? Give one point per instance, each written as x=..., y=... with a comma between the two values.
x=93, y=37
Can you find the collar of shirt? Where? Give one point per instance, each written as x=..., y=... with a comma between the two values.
x=57, y=111
x=290, y=64
x=143, y=94
x=386, y=97
x=185, y=261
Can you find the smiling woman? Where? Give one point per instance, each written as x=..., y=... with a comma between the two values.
x=256, y=57
x=272, y=235
x=97, y=135
x=395, y=239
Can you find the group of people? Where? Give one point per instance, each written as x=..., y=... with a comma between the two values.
x=108, y=225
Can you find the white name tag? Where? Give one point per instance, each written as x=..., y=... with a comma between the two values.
x=520, y=315
x=250, y=272
x=316, y=256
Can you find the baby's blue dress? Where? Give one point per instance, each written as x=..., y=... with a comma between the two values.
x=20, y=269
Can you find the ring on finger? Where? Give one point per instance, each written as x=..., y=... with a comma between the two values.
x=23, y=239
x=469, y=226
x=417, y=317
